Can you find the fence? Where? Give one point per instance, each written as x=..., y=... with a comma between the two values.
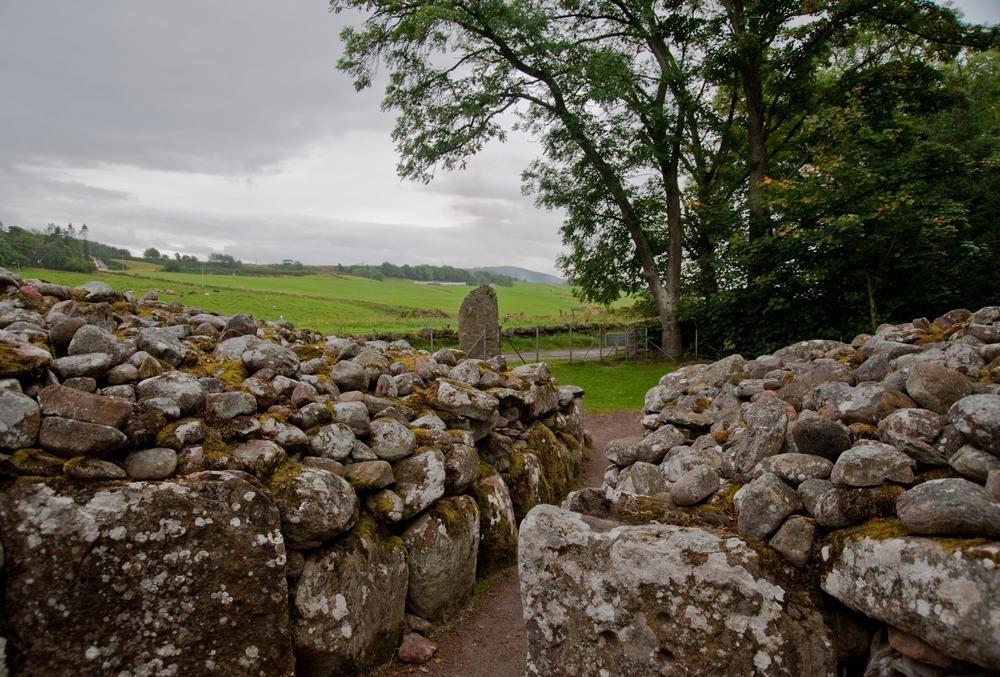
x=572, y=343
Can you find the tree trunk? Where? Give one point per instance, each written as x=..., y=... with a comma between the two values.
x=670, y=325
x=756, y=149
x=872, y=308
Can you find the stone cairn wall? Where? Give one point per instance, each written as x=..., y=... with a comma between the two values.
x=829, y=509
x=188, y=494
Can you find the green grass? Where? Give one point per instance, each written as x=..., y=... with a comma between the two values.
x=611, y=386
x=348, y=305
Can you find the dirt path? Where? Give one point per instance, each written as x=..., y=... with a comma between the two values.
x=488, y=640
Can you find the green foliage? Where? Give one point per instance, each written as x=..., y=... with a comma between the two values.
x=57, y=247
x=884, y=210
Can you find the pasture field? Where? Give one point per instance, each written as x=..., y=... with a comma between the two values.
x=345, y=304
x=611, y=386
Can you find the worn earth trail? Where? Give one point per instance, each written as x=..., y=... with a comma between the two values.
x=488, y=640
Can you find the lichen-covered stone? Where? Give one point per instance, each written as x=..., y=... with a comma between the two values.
x=497, y=524
x=602, y=598
x=182, y=389
x=914, y=432
x=162, y=343
x=145, y=578
x=458, y=398
x=151, y=464
x=763, y=505
x=935, y=387
x=368, y=475
x=766, y=422
x=420, y=481
x=945, y=595
x=314, y=504
x=69, y=438
x=20, y=418
x=83, y=406
x=441, y=547
x=949, y=507
x=794, y=469
x=655, y=446
x=871, y=464
x=695, y=486
x=479, y=324
x=348, y=603
x=335, y=440
x=391, y=440
x=977, y=418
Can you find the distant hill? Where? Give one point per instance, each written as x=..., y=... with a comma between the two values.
x=522, y=274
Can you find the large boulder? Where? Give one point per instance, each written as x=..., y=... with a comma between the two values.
x=602, y=598
x=145, y=578
x=349, y=602
x=944, y=593
x=441, y=546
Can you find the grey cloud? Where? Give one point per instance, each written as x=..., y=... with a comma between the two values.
x=226, y=85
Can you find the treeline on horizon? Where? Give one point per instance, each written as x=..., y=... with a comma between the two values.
x=69, y=248
x=56, y=247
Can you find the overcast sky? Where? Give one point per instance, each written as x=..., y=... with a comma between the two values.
x=223, y=126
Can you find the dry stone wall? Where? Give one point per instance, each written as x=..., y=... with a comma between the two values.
x=833, y=508
x=186, y=493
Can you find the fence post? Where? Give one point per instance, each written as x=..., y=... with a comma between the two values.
x=571, y=342
x=600, y=342
x=538, y=356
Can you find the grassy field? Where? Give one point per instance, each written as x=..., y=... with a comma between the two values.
x=344, y=304
x=611, y=386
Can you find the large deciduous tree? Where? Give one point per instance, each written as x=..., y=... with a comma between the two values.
x=603, y=85
x=674, y=134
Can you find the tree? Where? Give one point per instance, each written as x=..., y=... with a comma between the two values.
x=152, y=253
x=587, y=79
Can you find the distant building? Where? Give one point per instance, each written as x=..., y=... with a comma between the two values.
x=98, y=263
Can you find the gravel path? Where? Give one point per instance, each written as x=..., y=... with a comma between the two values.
x=489, y=639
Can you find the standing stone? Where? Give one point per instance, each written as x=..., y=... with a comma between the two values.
x=145, y=578
x=603, y=598
x=479, y=324
x=348, y=603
